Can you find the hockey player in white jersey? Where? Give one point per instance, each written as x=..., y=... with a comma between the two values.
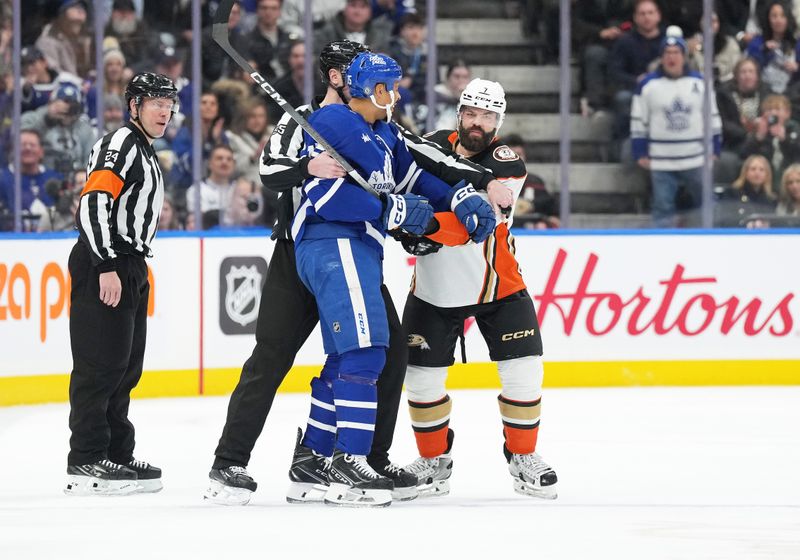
x=481, y=280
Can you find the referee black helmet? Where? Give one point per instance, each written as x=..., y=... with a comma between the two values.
x=338, y=55
x=148, y=84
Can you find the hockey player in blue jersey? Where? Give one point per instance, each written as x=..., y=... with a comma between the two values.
x=339, y=231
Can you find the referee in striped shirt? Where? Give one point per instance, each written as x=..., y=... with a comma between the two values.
x=117, y=219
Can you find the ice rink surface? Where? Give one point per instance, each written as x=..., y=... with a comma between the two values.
x=650, y=473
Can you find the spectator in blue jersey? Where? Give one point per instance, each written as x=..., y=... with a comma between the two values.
x=777, y=49
x=667, y=134
x=39, y=80
x=67, y=136
x=631, y=55
x=35, y=199
x=339, y=231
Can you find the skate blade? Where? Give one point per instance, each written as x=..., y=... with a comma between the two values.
x=545, y=493
x=434, y=489
x=91, y=486
x=345, y=496
x=223, y=495
x=405, y=494
x=149, y=486
x=306, y=493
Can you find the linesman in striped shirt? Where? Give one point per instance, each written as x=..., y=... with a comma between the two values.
x=117, y=219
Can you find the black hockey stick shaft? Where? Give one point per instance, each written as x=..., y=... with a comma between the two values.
x=220, y=33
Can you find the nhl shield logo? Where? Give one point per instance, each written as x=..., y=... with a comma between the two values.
x=240, y=293
x=243, y=294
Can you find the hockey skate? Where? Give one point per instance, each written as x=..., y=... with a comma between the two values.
x=148, y=477
x=231, y=486
x=101, y=478
x=433, y=473
x=308, y=473
x=354, y=483
x=532, y=476
x=405, y=483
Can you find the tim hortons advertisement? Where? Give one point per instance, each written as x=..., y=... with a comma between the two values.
x=653, y=297
x=598, y=297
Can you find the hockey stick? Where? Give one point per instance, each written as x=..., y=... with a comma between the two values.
x=219, y=32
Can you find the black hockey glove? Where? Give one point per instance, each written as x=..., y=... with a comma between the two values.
x=415, y=244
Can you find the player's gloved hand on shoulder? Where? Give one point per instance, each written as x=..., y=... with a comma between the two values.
x=471, y=210
x=409, y=212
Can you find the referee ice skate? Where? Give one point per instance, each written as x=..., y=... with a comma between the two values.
x=117, y=219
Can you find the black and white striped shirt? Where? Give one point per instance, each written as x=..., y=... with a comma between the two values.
x=282, y=168
x=121, y=202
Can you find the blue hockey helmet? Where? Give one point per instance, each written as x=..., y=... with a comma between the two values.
x=370, y=69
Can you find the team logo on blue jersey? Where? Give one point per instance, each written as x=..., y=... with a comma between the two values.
x=677, y=115
x=383, y=181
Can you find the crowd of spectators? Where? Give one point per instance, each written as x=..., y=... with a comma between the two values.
x=60, y=95
x=59, y=100
x=618, y=44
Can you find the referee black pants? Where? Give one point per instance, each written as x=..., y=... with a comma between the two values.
x=107, y=355
x=287, y=315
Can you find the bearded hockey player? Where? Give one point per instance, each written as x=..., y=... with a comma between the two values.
x=480, y=280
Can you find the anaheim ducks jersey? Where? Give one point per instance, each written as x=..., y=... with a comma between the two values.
x=475, y=273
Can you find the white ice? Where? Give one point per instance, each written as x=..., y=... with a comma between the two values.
x=678, y=473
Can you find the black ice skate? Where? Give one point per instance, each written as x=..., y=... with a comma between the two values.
x=405, y=483
x=532, y=476
x=231, y=486
x=148, y=476
x=101, y=478
x=354, y=483
x=434, y=473
x=308, y=473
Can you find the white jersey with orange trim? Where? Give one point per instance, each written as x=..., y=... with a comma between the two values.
x=475, y=273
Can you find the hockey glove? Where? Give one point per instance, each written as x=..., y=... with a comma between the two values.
x=409, y=212
x=472, y=211
x=416, y=245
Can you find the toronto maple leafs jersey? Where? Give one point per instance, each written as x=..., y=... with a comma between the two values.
x=332, y=208
x=667, y=121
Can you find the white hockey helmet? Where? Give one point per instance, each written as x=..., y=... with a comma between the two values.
x=484, y=94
